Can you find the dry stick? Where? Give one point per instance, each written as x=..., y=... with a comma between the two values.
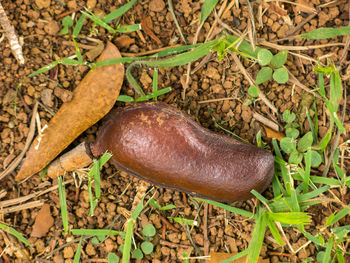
x=336, y=141
x=295, y=81
x=205, y=230
x=221, y=11
x=293, y=3
x=3, y=193
x=22, y=207
x=252, y=24
x=251, y=82
x=168, y=224
x=183, y=95
x=171, y=9
x=299, y=26
x=215, y=100
x=265, y=121
x=30, y=137
x=281, y=47
x=11, y=35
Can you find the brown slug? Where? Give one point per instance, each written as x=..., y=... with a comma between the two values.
x=163, y=145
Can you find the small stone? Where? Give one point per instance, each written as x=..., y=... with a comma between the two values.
x=52, y=28
x=72, y=4
x=212, y=73
x=90, y=250
x=9, y=97
x=43, y=3
x=226, y=106
x=11, y=124
x=91, y=4
x=145, y=79
x=46, y=97
x=68, y=252
x=63, y=94
x=157, y=5
x=28, y=99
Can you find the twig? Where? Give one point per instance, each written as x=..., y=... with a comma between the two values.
x=30, y=137
x=252, y=24
x=215, y=100
x=68, y=13
x=299, y=26
x=265, y=121
x=293, y=3
x=11, y=35
x=171, y=9
x=251, y=82
x=22, y=207
x=282, y=47
x=168, y=224
x=205, y=230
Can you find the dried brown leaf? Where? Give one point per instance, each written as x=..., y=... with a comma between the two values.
x=92, y=99
x=43, y=222
x=273, y=134
x=124, y=41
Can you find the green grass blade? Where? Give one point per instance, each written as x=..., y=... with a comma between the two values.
x=259, y=196
x=43, y=69
x=334, y=116
x=78, y=26
x=184, y=221
x=154, y=95
x=129, y=28
x=312, y=194
x=174, y=50
x=15, y=233
x=291, y=218
x=118, y=12
x=127, y=242
x=132, y=80
x=155, y=82
x=235, y=257
x=325, y=180
x=307, y=157
x=94, y=232
x=98, y=21
x=70, y=62
x=183, y=58
x=97, y=179
x=258, y=237
x=125, y=98
x=327, y=254
x=228, y=208
x=63, y=203
x=117, y=60
x=104, y=159
x=274, y=231
x=207, y=8
x=77, y=253
x=323, y=33
x=342, y=213
x=77, y=51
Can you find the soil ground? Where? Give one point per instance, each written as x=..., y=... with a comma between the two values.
x=216, y=90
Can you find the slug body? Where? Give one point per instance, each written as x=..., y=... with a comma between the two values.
x=163, y=145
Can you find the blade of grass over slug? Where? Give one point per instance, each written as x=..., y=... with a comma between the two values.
x=63, y=203
x=15, y=233
x=78, y=26
x=77, y=253
x=228, y=208
x=98, y=21
x=94, y=232
x=118, y=12
x=322, y=33
x=125, y=98
x=129, y=28
x=207, y=8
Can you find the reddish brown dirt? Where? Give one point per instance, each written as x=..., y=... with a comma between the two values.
x=38, y=24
